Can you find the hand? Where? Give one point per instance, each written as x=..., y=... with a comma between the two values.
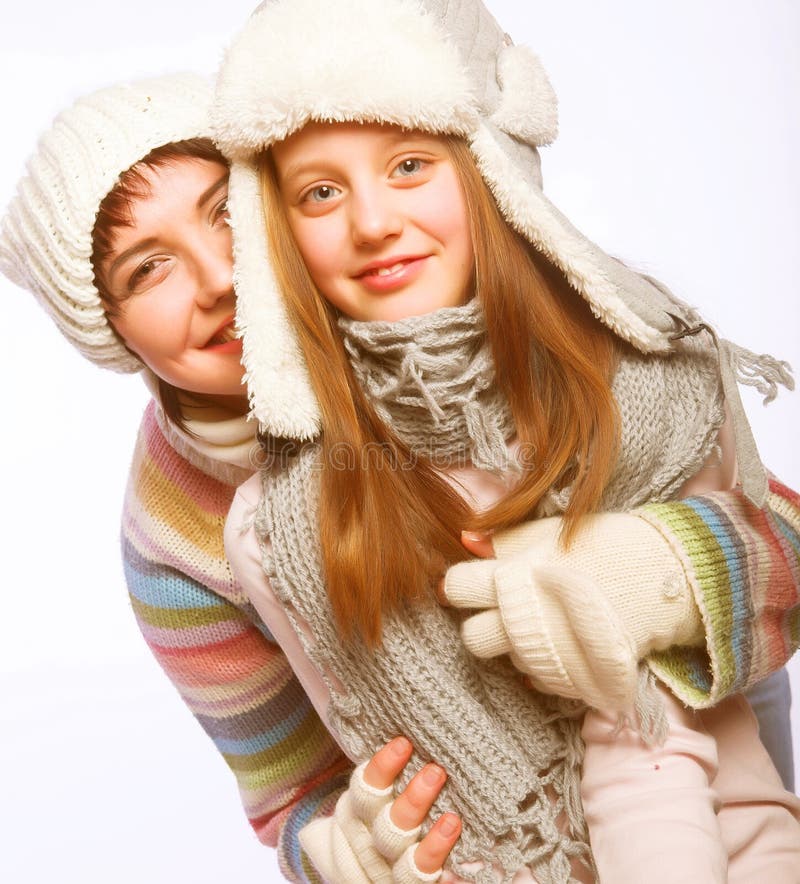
x=372, y=838
x=411, y=807
x=576, y=621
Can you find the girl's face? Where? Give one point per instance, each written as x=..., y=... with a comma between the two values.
x=379, y=217
x=171, y=272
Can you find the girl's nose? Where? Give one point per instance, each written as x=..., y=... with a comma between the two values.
x=374, y=216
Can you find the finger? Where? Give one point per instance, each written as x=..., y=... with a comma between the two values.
x=387, y=763
x=411, y=806
x=441, y=595
x=478, y=543
x=471, y=584
x=484, y=634
x=435, y=847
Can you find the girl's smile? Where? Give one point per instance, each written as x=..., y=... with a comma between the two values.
x=379, y=217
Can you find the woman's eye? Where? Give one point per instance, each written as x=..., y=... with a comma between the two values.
x=221, y=210
x=147, y=272
x=407, y=167
x=322, y=193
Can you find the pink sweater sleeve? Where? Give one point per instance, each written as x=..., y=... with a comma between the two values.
x=707, y=805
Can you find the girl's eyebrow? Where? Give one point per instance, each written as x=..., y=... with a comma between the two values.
x=296, y=169
x=392, y=140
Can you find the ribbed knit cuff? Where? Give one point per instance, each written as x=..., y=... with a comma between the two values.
x=389, y=838
x=405, y=870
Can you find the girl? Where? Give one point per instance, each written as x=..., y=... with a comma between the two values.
x=370, y=160
x=120, y=230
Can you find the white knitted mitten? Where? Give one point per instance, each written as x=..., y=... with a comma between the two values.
x=578, y=621
x=360, y=844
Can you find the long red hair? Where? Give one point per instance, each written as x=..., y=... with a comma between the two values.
x=387, y=530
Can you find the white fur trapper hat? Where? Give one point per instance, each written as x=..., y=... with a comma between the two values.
x=46, y=235
x=442, y=66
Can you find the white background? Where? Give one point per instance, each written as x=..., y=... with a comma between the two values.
x=678, y=153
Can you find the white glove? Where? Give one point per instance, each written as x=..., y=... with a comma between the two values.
x=578, y=621
x=360, y=844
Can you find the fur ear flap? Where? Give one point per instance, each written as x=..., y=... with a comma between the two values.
x=528, y=108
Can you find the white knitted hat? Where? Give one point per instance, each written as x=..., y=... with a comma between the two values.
x=46, y=235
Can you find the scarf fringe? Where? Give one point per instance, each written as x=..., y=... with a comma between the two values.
x=762, y=371
x=649, y=718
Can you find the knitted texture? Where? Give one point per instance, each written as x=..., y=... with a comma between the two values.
x=506, y=752
x=202, y=631
x=578, y=620
x=744, y=564
x=46, y=240
x=198, y=629
x=432, y=379
x=360, y=844
x=499, y=741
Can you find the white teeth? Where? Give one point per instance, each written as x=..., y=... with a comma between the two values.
x=387, y=271
x=222, y=337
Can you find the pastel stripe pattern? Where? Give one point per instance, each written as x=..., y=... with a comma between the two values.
x=743, y=564
x=210, y=643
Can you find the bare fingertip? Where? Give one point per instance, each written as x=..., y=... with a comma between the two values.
x=400, y=746
x=448, y=824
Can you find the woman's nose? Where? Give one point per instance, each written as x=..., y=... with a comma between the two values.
x=215, y=274
x=374, y=215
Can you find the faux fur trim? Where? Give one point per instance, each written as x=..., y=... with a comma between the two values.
x=528, y=107
x=588, y=268
x=281, y=397
x=306, y=60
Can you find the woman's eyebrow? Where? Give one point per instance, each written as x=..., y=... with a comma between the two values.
x=206, y=195
x=148, y=243
x=132, y=250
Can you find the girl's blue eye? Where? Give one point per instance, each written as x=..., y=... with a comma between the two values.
x=408, y=167
x=323, y=193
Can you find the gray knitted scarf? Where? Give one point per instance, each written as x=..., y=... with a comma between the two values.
x=513, y=756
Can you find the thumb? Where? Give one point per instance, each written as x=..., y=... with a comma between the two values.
x=471, y=584
x=479, y=543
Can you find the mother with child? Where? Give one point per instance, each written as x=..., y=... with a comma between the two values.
x=503, y=557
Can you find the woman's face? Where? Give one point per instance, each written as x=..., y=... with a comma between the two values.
x=379, y=217
x=171, y=272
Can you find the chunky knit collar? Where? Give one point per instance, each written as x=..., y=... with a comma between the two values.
x=431, y=378
x=216, y=441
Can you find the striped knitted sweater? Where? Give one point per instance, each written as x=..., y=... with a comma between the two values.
x=216, y=651
x=239, y=685
x=744, y=565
